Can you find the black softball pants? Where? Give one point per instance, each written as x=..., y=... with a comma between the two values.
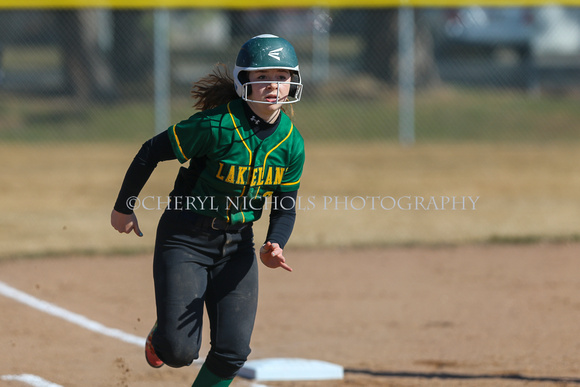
x=195, y=265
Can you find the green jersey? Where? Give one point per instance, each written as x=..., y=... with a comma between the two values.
x=231, y=170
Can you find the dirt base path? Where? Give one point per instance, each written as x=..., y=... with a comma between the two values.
x=499, y=315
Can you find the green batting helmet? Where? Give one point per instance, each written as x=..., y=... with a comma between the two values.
x=264, y=52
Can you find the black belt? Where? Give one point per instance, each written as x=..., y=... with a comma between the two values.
x=223, y=225
x=218, y=224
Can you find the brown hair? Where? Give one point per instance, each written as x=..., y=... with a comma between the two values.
x=217, y=88
x=214, y=89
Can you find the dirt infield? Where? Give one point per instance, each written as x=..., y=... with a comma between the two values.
x=472, y=315
x=479, y=315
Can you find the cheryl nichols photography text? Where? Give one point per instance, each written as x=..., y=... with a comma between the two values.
x=310, y=203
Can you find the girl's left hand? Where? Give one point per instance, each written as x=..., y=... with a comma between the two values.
x=271, y=256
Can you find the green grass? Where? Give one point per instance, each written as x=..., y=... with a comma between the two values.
x=30, y=58
x=443, y=115
x=497, y=116
x=64, y=120
x=448, y=115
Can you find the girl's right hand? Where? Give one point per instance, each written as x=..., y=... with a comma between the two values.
x=272, y=256
x=125, y=223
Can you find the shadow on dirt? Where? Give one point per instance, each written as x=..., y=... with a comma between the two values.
x=447, y=375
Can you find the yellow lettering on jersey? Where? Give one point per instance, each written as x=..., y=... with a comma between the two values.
x=279, y=175
x=255, y=173
x=240, y=179
x=231, y=175
x=269, y=176
x=261, y=176
x=219, y=172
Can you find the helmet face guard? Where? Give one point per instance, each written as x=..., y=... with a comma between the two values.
x=292, y=97
x=264, y=52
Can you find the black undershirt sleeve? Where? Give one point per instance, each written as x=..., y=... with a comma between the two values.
x=282, y=217
x=151, y=153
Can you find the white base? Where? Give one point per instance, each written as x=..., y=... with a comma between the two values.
x=290, y=369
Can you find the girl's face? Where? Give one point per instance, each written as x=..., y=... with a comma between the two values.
x=269, y=91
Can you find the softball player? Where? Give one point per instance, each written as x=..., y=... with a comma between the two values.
x=241, y=148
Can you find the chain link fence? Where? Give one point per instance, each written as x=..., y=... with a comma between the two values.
x=480, y=74
x=488, y=97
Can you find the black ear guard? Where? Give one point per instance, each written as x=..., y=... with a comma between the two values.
x=245, y=78
x=294, y=88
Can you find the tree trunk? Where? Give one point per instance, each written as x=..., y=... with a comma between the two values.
x=87, y=70
x=77, y=76
x=380, y=36
x=131, y=58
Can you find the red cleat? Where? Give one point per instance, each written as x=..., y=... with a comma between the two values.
x=150, y=355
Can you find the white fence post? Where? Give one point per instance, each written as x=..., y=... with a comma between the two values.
x=162, y=69
x=406, y=76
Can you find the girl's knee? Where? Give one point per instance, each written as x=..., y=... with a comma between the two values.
x=225, y=366
x=175, y=353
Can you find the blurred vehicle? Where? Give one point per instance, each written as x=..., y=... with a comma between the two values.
x=490, y=27
x=557, y=31
x=539, y=31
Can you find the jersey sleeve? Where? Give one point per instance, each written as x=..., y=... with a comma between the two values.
x=191, y=138
x=151, y=153
x=293, y=173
